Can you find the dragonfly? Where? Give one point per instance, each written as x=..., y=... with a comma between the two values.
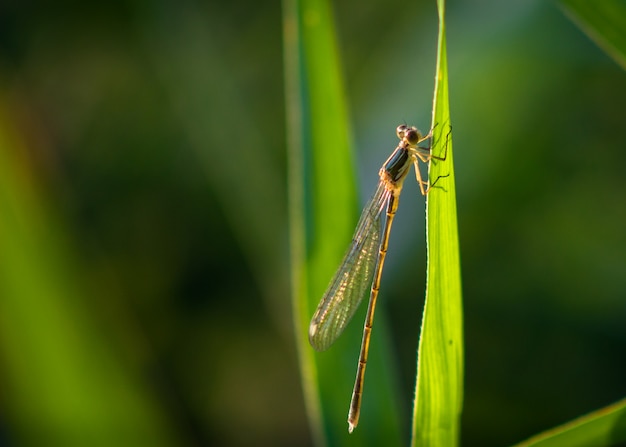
x=362, y=264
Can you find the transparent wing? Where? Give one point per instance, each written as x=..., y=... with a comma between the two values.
x=353, y=278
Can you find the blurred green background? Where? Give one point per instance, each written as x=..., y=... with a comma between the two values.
x=144, y=294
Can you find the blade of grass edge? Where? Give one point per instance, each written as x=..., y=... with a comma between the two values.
x=606, y=426
x=604, y=22
x=295, y=189
x=439, y=384
x=322, y=216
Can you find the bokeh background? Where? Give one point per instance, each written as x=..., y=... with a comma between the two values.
x=144, y=290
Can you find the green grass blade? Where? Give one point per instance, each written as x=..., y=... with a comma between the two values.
x=323, y=212
x=604, y=427
x=604, y=22
x=65, y=383
x=439, y=388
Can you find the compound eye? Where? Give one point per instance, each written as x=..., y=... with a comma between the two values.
x=412, y=136
x=401, y=130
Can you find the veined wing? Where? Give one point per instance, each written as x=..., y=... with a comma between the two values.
x=353, y=278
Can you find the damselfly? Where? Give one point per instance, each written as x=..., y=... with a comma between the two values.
x=366, y=255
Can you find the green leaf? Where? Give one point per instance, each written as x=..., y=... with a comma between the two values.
x=65, y=382
x=323, y=213
x=439, y=384
x=604, y=22
x=604, y=427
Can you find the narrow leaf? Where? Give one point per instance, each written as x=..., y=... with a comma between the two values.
x=603, y=427
x=604, y=22
x=323, y=213
x=439, y=387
